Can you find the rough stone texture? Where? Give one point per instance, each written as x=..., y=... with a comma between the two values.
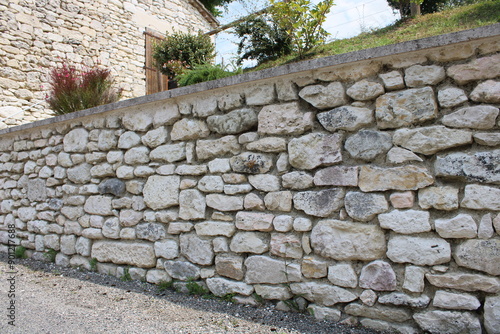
x=430, y=140
x=414, y=279
x=297, y=180
x=279, y=201
x=221, y=287
x=381, y=325
x=406, y=222
x=322, y=97
x=483, y=255
x=224, y=203
x=476, y=117
x=365, y=90
x=319, y=203
x=233, y=122
x=448, y=322
x=418, y=75
x=229, y=265
x=313, y=150
x=132, y=253
x=451, y=97
x=348, y=241
x=485, y=229
x=398, y=298
x=286, y=245
x=418, y=250
x=487, y=139
x=479, y=166
x=268, y=144
x=161, y=192
x=465, y=282
x=461, y=226
x=343, y=274
x=98, y=205
x=192, y=205
x=150, y=231
x=216, y=148
x=379, y=312
x=492, y=314
x=196, y=249
x=363, y=206
x=76, y=141
x=347, y=118
x=321, y=293
x=412, y=106
x=488, y=92
x=250, y=242
x=266, y=183
x=440, y=198
x=455, y=301
x=379, y=276
x=251, y=163
x=313, y=267
x=333, y=176
x=264, y=270
x=188, y=129
x=478, y=197
x=283, y=119
x=367, y=145
x=398, y=178
x=324, y=313
x=182, y=270
x=478, y=69
x=402, y=200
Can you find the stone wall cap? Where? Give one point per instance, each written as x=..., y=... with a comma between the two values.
x=294, y=68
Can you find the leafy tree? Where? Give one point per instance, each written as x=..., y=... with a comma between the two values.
x=262, y=39
x=427, y=6
x=302, y=21
x=212, y=5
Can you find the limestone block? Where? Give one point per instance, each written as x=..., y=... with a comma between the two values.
x=76, y=141
x=450, y=97
x=379, y=276
x=448, y=322
x=182, y=270
x=455, y=301
x=365, y=90
x=169, y=153
x=418, y=250
x=98, y=205
x=492, y=314
x=204, y=105
x=274, y=292
x=254, y=221
x=250, y=242
x=381, y=325
x=234, y=189
x=485, y=230
x=365, y=206
x=314, y=150
x=322, y=97
x=432, y=139
x=221, y=287
x=406, y=222
x=23, y=213
x=461, y=226
x=167, y=249
x=347, y=118
x=320, y=203
x=378, y=312
x=67, y=244
x=265, y=182
x=137, y=156
x=128, y=140
x=279, y=201
x=402, y=200
x=196, y=249
x=313, y=267
x=253, y=202
x=157, y=276
x=137, y=254
x=336, y=176
x=398, y=298
x=284, y=119
x=414, y=279
x=155, y=138
x=219, y=166
x=79, y=174
x=478, y=69
x=214, y=228
x=230, y=101
x=137, y=121
x=167, y=114
x=192, y=205
x=348, y=241
x=161, y=192
x=465, y=282
x=367, y=145
x=229, y=265
x=150, y=231
x=483, y=255
x=323, y=294
x=343, y=274
x=111, y=228
x=487, y=92
x=189, y=129
x=481, y=198
x=470, y=166
x=283, y=223
x=405, y=108
x=234, y=122
x=408, y=177
x=440, y=198
x=418, y=75
x=251, y=163
x=259, y=95
x=286, y=245
x=224, y=202
x=487, y=139
x=476, y=117
x=215, y=148
x=265, y=270
x=130, y=217
x=297, y=180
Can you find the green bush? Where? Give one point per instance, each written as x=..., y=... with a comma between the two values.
x=262, y=39
x=180, y=51
x=204, y=72
x=20, y=252
x=73, y=90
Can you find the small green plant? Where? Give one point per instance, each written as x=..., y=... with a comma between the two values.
x=93, y=264
x=181, y=51
x=50, y=255
x=258, y=298
x=204, y=72
x=72, y=90
x=20, y=252
x=164, y=285
x=229, y=297
x=126, y=275
x=196, y=289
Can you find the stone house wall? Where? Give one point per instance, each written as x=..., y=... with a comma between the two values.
x=36, y=35
x=365, y=186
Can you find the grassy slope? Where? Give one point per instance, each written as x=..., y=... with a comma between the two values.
x=457, y=19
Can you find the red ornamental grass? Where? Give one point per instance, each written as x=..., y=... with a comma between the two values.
x=73, y=90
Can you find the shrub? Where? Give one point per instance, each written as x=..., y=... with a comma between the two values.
x=180, y=51
x=73, y=90
x=262, y=39
x=204, y=72
x=20, y=252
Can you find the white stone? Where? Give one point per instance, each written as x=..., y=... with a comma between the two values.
x=492, y=314
x=475, y=117
x=135, y=253
x=264, y=182
x=379, y=276
x=440, y=198
x=219, y=166
x=250, y=242
x=323, y=294
x=157, y=276
x=365, y=90
x=128, y=140
x=214, y=228
x=284, y=119
x=196, y=249
x=418, y=75
x=347, y=118
x=76, y=141
x=169, y=153
x=297, y=180
x=286, y=245
x=192, y=205
x=401, y=299
x=451, y=97
x=268, y=144
x=168, y=249
x=161, y=191
x=485, y=230
x=406, y=222
x=221, y=287
x=432, y=139
x=461, y=226
x=155, y=138
x=455, y=301
x=273, y=292
x=451, y=322
x=320, y=203
x=364, y=206
x=479, y=197
x=224, y=202
x=254, y=221
x=465, y=282
x=398, y=155
x=264, y=270
x=487, y=92
x=414, y=279
x=314, y=149
x=392, y=80
x=322, y=97
x=343, y=274
x=483, y=255
x=418, y=250
x=98, y=205
x=283, y=223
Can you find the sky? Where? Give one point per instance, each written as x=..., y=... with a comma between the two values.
x=347, y=18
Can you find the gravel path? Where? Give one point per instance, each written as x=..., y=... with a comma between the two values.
x=54, y=299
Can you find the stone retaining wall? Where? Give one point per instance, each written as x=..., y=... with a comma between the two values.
x=36, y=35
x=365, y=189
